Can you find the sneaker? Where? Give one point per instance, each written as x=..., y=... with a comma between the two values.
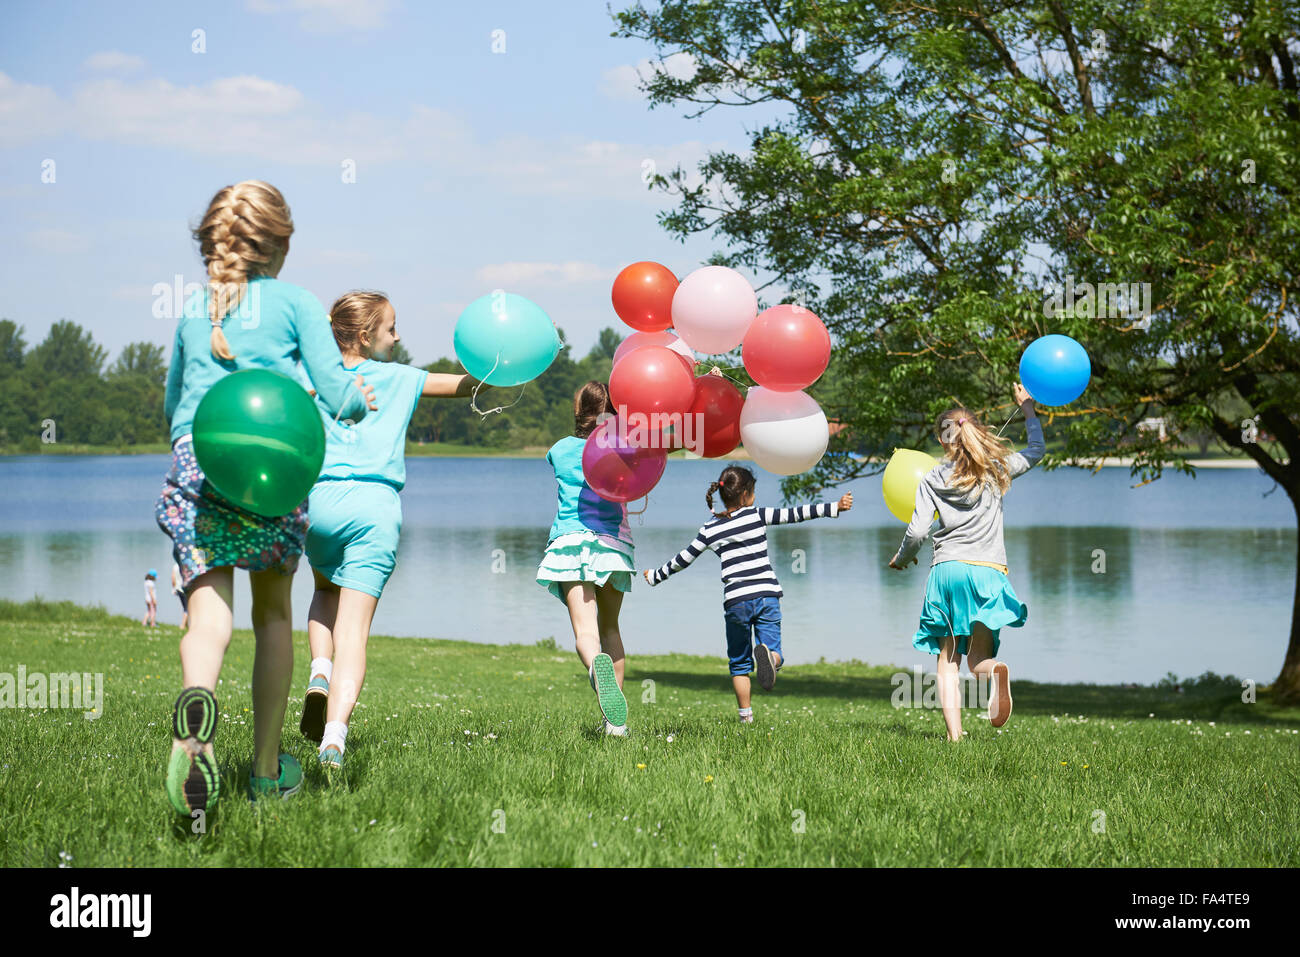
x=193, y=782
x=763, y=665
x=999, y=696
x=746, y=718
x=312, y=724
x=289, y=781
x=612, y=703
x=618, y=732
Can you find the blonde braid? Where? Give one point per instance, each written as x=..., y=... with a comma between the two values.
x=246, y=226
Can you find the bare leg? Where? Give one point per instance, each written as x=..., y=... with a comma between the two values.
x=272, y=666
x=355, y=610
x=949, y=691
x=212, y=619
x=740, y=685
x=982, y=664
x=608, y=602
x=979, y=657
x=320, y=618
x=581, y=599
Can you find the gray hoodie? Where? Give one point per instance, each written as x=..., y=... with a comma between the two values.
x=970, y=522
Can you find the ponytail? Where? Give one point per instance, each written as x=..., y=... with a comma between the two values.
x=978, y=456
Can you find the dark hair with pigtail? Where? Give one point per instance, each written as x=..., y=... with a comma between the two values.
x=734, y=482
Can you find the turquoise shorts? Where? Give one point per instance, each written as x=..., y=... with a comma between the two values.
x=957, y=594
x=353, y=535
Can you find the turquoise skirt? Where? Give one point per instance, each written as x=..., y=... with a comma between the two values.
x=586, y=557
x=958, y=594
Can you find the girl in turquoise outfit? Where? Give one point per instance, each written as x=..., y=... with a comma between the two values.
x=244, y=319
x=588, y=563
x=968, y=599
x=356, y=514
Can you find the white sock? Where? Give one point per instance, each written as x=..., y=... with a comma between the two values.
x=745, y=712
x=336, y=734
x=321, y=666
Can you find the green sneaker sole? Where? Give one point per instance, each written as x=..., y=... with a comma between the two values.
x=312, y=724
x=195, y=715
x=612, y=703
x=193, y=783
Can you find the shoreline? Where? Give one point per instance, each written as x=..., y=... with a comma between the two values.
x=438, y=450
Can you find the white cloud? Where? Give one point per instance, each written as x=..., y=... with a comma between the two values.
x=254, y=117
x=623, y=82
x=515, y=273
x=113, y=61
x=329, y=16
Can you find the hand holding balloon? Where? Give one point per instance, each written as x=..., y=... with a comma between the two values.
x=1024, y=400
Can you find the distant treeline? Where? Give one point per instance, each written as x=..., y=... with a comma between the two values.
x=62, y=391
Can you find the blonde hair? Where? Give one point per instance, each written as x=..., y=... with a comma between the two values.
x=353, y=313
x=978, y=456
x=246, y=226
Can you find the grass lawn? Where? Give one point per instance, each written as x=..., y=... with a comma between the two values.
x=476, y=754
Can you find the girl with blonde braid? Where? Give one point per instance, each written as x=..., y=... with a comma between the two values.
x=244, y=318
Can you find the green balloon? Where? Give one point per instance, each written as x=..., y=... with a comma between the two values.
x=259, y=440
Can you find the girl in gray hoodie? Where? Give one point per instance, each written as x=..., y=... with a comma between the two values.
x=968, y=599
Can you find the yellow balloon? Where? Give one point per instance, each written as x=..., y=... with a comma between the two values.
x=902, y=476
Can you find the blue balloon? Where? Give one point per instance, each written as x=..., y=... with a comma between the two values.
x=504, y=340
x=1055, y=370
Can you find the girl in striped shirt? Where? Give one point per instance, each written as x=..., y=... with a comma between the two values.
x=751, y=595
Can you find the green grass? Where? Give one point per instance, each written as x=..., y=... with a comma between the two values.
x=452, y=737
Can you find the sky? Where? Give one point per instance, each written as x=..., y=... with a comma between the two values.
x=495, y=145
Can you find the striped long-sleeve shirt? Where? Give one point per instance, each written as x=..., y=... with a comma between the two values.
x=740, y=541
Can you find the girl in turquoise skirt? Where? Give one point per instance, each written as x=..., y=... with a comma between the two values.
x=968, y=599
x=588, y=561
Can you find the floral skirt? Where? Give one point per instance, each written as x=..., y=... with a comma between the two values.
x=209, y=532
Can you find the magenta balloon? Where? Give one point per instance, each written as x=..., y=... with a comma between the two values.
x=617, y=470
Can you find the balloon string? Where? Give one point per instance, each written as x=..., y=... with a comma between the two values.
x=1008, y=421
x=641, y=513
x=473, y=399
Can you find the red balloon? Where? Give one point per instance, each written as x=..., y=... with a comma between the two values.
x=643, y=296
x=618, y=470
x=713, y=429
x=786, y=349
x=649, y=380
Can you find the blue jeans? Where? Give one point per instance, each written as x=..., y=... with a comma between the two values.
x=763, y=617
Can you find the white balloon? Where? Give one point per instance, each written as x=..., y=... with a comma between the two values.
x=713, y=309
x=785, y=432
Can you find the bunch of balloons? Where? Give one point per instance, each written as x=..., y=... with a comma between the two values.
x=653, y=381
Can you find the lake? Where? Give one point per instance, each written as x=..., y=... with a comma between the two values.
x=1198, y=576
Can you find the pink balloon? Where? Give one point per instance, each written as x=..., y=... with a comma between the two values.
x=786, y=349
x=667, y=339
x=617, y=470
x=713, y=308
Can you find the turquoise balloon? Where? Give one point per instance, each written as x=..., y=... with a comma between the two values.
x=504, y=340
x=259, y=440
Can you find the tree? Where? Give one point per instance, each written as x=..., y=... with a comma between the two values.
x=68, y=352
x=606, y=344
x=933, y=179
x=142, y=359
x=12, y=346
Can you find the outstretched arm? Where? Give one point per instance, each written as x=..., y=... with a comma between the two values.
x=679, y=561
x=447, y=385
x=1019, y=463
x=802, y=513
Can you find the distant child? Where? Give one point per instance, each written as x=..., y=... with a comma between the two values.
x=179, y=591
x=588, y=561
x=968, y=598
x=150, y=599
x=244, y=319
x=356, y=514
x=751, y=595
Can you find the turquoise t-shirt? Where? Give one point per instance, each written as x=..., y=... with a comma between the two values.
x=375, y=448
x=579, y=508
x=274, y=326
